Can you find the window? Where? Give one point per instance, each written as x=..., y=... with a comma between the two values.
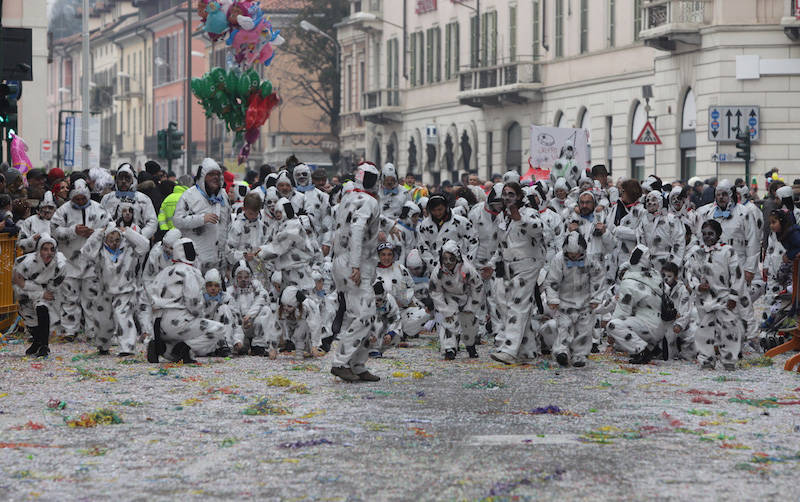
x=636, y=152
x=451, y=62
x=689, y=121
x=438, y=65
x=392, y=64
x=514, y=147
x=535, y=30
x=432, y=53
x=586, y=124
x=474, y=47
x=559, y=28
x=637, y=18
x=349, y=88
x=489, y=38
x=584, y=26
x=612, y=18
x=512, y=33
x=412, y=57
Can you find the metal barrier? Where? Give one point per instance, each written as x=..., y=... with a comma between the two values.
x=8, y=252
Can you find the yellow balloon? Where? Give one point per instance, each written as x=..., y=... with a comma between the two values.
x=775, y=176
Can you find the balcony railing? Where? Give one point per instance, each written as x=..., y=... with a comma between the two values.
x=471, y=79
x=380, y=98
x=666, y=21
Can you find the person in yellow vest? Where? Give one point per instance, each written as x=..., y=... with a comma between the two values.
x=169, y=203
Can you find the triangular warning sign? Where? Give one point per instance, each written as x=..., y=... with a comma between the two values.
x=648, y=136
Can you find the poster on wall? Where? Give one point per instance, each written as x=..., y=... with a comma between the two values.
x=549, y=144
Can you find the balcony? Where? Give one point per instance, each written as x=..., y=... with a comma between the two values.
x=667, y=22
x=381, y=106
x=791, y=20
x=516, y=82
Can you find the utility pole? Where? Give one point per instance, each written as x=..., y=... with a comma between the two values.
x=187, y=167
x=85, y=88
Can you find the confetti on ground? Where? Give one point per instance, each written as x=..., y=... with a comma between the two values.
x=99, y=417
x=305, y=444
x=485, y=384
x=266, y=406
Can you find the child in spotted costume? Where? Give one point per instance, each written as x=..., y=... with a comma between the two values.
x=221, y=306
x=255, y=308
x=387, y=320
x=160, y=256
x=37, y=277
x=442, y=225
x=456, y=289
x=32, y=228
x=248, y=232
x=114, y=254
x=559, y=200
x=519, y=258
x=680, y=332
x=177, y=297
x=573, y=289
x=72, y=225
x=681, y=207
x=404, y=235
x=393, y=195
x=299, y=321
x=239, y=191
x=553, y=233
x=636, y=325
x=316, y=204
x=717, y=279
x=662, y=233
x=399, y=284
x=283, y=183
x=739, y=231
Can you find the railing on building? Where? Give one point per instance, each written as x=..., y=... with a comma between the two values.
x=504, y=74
x=662, y=12
x=380, y=98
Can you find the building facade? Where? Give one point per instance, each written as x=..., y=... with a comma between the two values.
x=443, y=89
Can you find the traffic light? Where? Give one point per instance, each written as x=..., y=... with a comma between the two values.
x=162, y=144
x=9, y=94
x=743, y=145
x=174, y=141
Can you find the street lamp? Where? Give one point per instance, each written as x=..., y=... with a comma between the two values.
x=368, y=16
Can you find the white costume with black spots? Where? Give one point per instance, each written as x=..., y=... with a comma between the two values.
x=114, y=308
x=316, y=203
x=34, y=225
x=224, y=309
x=177, y=295
x=636, y=322
x=718, y=326
x=392, y=201
x=574, y=287
x=432, y=235
x=520, y=256
x=160, y=255
x=209, y=238
x=144, y=215
x=624, y=222
x=354, y=243
x=39, y=278
x=458, y=300
x=80, y=291
x=662, y=233
x=245, y=236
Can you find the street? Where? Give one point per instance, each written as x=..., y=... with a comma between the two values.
x=430, y=430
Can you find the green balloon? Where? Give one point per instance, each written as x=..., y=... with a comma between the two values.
x=200, y=88
x=244, y=87
x=255, y=80
x=232, y=82
x=266, y=88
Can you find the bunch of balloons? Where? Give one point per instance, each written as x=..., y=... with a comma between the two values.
x=241, y=99
x=249, y=32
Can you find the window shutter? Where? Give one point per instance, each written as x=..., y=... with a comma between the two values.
x=448, y=50
x=438, y=54
x=512, y=33
x=474, y=27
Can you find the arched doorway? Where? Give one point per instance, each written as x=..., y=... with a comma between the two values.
x=514, y=147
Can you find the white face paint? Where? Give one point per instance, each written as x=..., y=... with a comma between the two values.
x=653, y=204
x=301, y=177
x=509, y=197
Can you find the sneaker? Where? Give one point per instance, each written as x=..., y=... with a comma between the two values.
x=125, y=354
x=643, y=357
x=366, y=376
x=376, y=354
x=257, y=351
x=579, y=364
x=103, y=352
x=709, y=365
x=43, y=351
x=449, y=354
x=729, y=366
x=472, y=351
x=562, y=359
x=33, y=349
x=69, y=338
x=222, y=351
x=326, y=343
x=288, y=347
x=345, y=374
x=307, y=354
x=502, y=357
x=595, y=348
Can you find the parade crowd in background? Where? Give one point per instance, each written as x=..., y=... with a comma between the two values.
x=288, y=260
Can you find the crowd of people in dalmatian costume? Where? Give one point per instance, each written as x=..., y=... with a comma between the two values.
x=563, y=266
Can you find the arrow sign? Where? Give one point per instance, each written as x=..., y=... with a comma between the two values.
x=725, y=122
x=648, y=136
